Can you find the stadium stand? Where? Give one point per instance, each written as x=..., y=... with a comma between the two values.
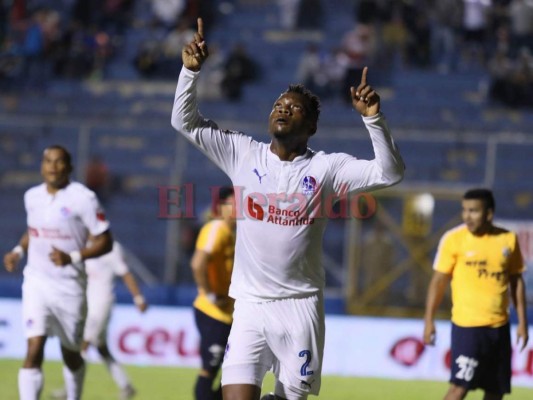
x=450, y=134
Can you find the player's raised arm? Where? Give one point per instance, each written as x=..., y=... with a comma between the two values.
x=365, y=99
x=195, y=53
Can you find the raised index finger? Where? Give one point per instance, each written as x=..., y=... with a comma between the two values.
x=363, y=76
x=201, y=28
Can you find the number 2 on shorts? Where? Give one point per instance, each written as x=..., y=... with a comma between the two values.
x=303, y=369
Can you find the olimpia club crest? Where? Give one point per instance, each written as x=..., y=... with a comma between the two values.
x=309, y=185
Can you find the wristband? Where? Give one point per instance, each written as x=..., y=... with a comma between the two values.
x=18, y=249
x=138, y=299
x=75, y=257
x=211, y=297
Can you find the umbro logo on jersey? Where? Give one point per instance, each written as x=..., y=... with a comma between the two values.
x=259, y=175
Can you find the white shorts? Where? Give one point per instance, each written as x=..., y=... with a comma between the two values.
x=48, y=313
x=99, y=313
x=284, y=335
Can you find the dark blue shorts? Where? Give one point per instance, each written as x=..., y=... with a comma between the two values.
x=481, y=358
x=213, y=339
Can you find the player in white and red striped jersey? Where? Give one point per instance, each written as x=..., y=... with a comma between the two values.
x=60, y=216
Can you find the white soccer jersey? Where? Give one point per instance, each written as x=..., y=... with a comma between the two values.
x=62, y=220
x=101, y=273
x=282, y=206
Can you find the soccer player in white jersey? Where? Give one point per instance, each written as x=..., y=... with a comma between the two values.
x=101, y=273
x=60, y=216
x=281, y=188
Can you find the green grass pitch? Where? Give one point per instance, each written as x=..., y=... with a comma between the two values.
x=168, y=383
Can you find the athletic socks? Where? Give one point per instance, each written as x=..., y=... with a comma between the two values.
x=117, y=373
x=30, y=382
x=204, y=389
x=217, y=395
x=74, y=382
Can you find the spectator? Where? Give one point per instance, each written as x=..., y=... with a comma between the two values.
x=475, y=25
x=334, y=67
x=359, y=44
x=310, y=72
x=310, y=15
x=288, y=13
x=418, y=47
x=521, y=15
x=178, y=36
x=444, y=28
x=322, y=74
x=170, y=54
x=500, y=68
x=98, y=178
x=239, y=69
x=210, y=82
x=115, y=16
x=393, y=41
x=3, y=22
x=366, y=12
x=33, y=50
x=522, y=79
x=167, y=12
x=148, y=56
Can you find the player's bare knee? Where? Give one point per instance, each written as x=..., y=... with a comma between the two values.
x=456, y=392
x=73, y=359
x=241, y=392
x=35, y=352
x=103, y=350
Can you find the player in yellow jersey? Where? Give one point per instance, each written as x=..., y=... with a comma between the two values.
x=484, y=265
x=212, y=264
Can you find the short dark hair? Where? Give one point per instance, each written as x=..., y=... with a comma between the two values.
x=225, y=192
x=485, y=195
x=312, y=98
x=66, y=153
x=219, y=197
